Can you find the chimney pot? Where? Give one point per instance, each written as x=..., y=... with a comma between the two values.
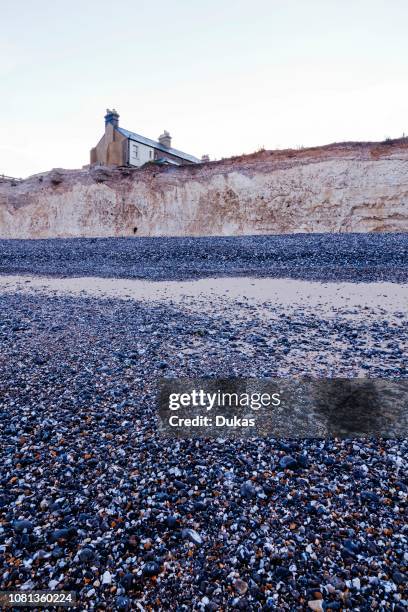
x=165, y=139
x=112, y=116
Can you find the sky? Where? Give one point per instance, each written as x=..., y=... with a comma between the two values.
x=224, y=77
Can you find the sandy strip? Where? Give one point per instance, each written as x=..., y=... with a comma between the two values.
x=391, y=297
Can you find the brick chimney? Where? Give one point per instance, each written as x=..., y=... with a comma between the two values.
x=112, y=116
x=165, y=139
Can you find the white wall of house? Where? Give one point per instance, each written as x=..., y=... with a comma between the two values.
x=139, y=154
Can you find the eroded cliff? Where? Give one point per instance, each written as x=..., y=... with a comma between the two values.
x=352, y=187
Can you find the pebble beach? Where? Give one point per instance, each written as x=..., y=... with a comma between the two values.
x=94, y=500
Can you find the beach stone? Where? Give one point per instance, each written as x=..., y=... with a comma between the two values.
x=151, y=569
x=172, y=522
x=127, y=581
x=288, y=462
x=240, y=586
x=22, y=526
x=193, y=536
x=122, y=603
x=64, y=534
x=107, y=577
x=86, y=555
x=316, y=605
x=247, y=490
x=398, y=577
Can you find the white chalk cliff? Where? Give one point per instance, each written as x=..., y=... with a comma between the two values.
x=352, y=187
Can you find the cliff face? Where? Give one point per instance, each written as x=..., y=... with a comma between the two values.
x=353, y=187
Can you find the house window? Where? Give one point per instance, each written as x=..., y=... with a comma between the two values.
x=135, y=151
x=150, y=154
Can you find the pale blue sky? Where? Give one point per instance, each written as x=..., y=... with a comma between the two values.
x=225, y=77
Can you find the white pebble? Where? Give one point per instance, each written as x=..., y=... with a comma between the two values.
x=107, y=578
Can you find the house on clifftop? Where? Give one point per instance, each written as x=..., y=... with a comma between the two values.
x=119, y=147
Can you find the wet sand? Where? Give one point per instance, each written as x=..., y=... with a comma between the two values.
x=391, y=297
